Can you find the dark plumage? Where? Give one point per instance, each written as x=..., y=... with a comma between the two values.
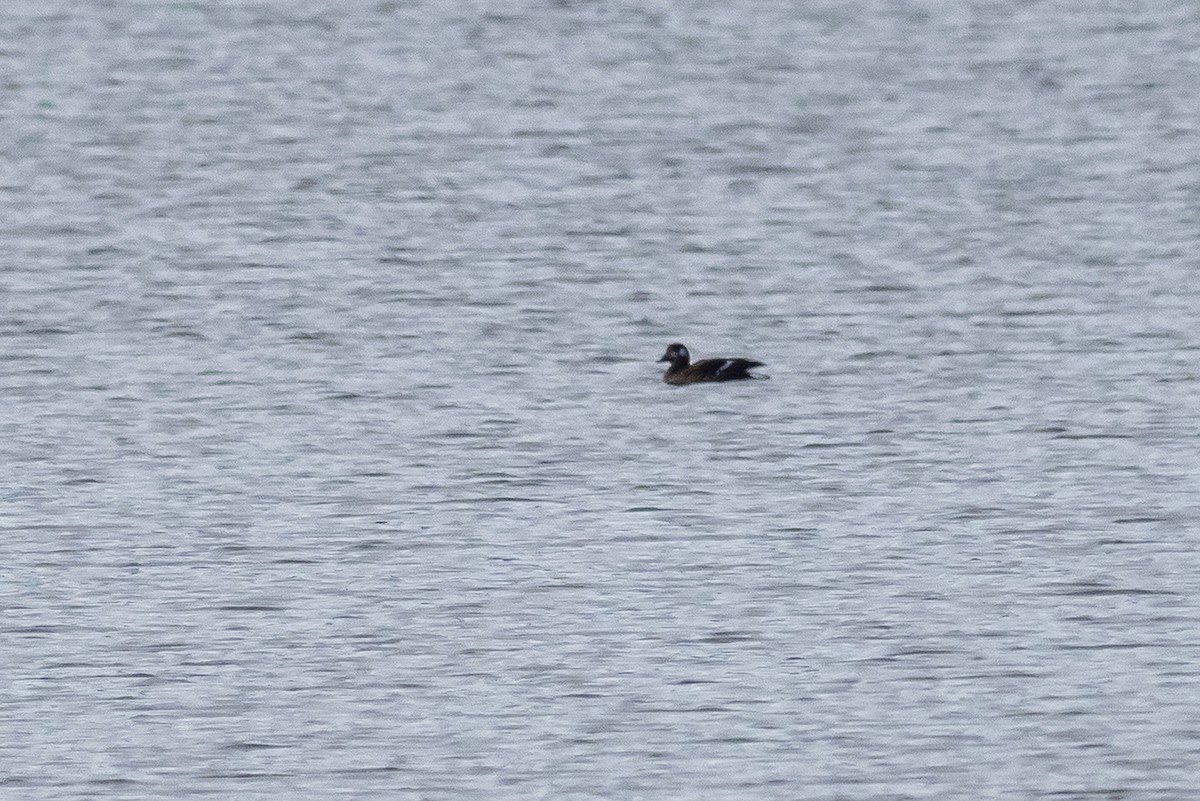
x=682, y=371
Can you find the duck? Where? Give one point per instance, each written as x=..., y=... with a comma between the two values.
x=682, y=371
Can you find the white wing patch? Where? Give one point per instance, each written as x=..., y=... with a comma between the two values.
x=725, y=365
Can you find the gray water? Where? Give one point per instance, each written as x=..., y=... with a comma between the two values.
x=337, y=464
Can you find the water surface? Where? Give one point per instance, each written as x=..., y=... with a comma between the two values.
x=337, y=464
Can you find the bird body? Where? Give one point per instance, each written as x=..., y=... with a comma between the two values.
x=682, y=371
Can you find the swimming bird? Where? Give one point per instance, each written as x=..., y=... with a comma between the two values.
x=682, y=371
